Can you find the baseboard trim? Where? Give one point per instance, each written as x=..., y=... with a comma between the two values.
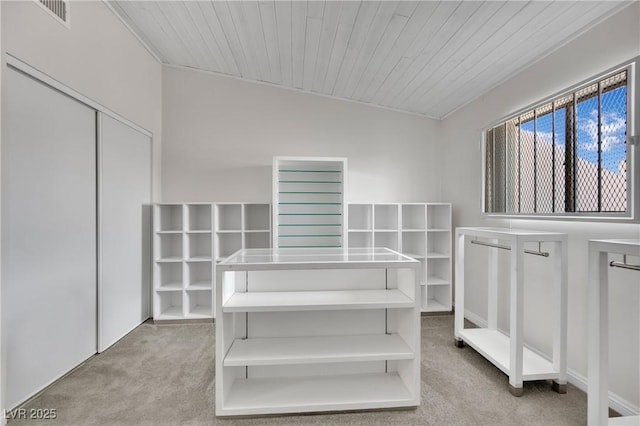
x=620, y=405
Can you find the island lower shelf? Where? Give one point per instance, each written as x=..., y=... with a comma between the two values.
x=316, y=349
x=315, y=394
x=316, y=300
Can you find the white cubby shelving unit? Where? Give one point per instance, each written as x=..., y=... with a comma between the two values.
x=189, y=239
x=419, y=230
x=308, y=202
x=239, y=226
x=600, y=252
x=316, y=329
x=508, y=352
x=183, y=261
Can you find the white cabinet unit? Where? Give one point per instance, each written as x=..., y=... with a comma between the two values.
x=508, y=353
x=183, y=266
x=418, y=230
x=322, y=329
x=599, y=263
x=308, y=202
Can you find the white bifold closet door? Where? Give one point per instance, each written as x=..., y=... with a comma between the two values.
x=48, y=235
x=124, y=203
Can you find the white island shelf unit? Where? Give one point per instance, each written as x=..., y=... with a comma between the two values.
x=315, y=330
x=508, y=353
x=419, y=230
x=599, y=264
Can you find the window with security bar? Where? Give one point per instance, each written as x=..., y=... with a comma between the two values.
x=565, y=156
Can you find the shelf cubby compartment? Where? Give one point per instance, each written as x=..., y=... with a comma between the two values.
x=436, y=298
x=386, y=239
x=385, y=217
x=170, y=248
x=359, y=239
x=439, y=244
x=170, y=305
x=170, y=276
x=360, y=217
x=199, y=303
x=200, y=247
x=199, y=276
x=438, y=271
x=229, y=217
x=414, y=216
x=228, y=243
x=257, y=239
x=257, y=217
x=414, y=244
x=199, y=217
x=438, y=216
x=170, y=217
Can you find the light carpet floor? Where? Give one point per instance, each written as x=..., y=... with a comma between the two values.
x=164, y=375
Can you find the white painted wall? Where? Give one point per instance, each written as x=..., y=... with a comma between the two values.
x=97, y=56
x=606, y=45
x=221, y=134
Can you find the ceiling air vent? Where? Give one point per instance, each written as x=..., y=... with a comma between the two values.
x=59, y=9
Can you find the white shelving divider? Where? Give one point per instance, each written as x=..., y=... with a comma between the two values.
x=183, y=261
x=308, y=202
x=508, y=353
x=419, y=230
x=316, y=329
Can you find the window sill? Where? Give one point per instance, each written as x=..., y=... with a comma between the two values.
x=608, y=218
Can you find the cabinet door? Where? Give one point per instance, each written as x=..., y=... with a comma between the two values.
x=48, y=235
x=124, y=229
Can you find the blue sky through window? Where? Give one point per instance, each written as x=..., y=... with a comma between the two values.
x=614, y=126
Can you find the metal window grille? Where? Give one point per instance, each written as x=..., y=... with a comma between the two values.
x=566, y=155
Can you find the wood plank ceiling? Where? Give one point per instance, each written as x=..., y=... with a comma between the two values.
x=428, y=57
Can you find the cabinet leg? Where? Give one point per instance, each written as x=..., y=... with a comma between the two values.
x=516, y=391
x=559, y=387
x=459, y=343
